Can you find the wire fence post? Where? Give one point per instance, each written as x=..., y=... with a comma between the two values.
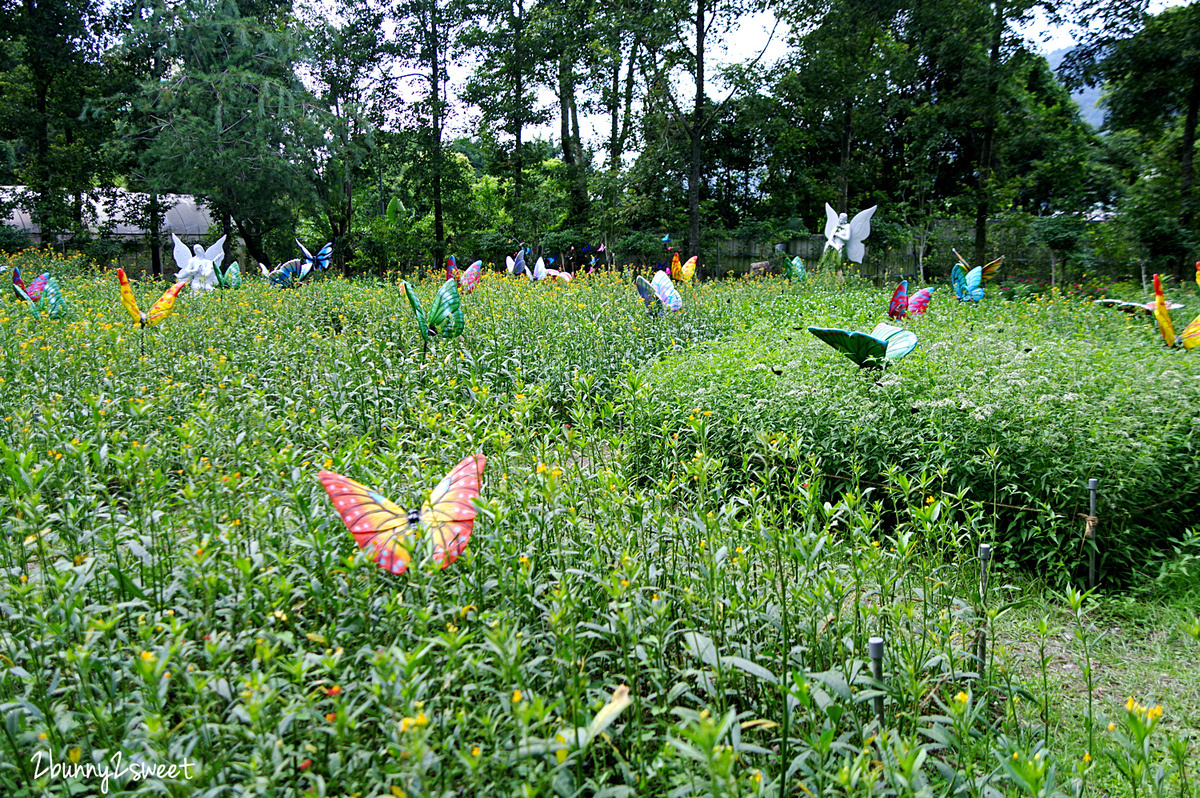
x=875, y=650
x=985, y=558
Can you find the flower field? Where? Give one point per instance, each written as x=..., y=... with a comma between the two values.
x=712, y=509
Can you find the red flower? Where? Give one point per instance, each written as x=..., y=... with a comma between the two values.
x=306, y=764
x=335, y=690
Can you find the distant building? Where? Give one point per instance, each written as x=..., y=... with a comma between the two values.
x=185, y=217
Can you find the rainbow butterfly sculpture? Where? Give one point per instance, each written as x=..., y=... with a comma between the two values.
x=388, y=534
x=1190, y=337
x=903, y=305
x=444, y=319
x=885, y=344
x=659, y=293
x=468, y=281
x=685, y=272
x=968, y=282
x=794, y=269
x=158, y=311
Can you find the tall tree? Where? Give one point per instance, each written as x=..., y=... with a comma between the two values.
x=687, y=57
x=349, y=75
x=230, y=122
x=503, y=85
x=52, y=56
x=1153, y=88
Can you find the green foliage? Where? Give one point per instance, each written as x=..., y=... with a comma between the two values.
x=1012, y=405
x=177, y=586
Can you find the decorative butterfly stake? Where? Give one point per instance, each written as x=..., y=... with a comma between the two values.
x=468, y=281
x=445, y=317
x=794, y=269
x=451, y=269
x=389, y=534
x=31, y=292
x=968, y=282
x=1189, y=338
x=230, y=278
x=683, y=273
x=884, y=345
x=158, y=311
x=286, y=275
x=317, y=264
x=659, y=293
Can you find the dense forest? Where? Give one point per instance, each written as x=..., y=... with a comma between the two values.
x=293, y=119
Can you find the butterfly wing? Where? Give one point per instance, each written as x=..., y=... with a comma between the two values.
x=539, y=270
x=52, y=298
x=449, y=515
x=33, y=306
x=989, y=270
x=831, y=224
x=1190, y=337
x=1162, y=315
x=1198, y=273
x=974, y=284
x=165, y=304
x=418, y=311
x=666, y=291
x=233, y=276
x=35, y=289
x=127, y=298
x=898, y=307
x=689, y=268
x=379, y=527
x=181, y=253
x=863, y=349
x=648, y=296
x=324, y=257
x=451, y=268
x=899, y=342
x=958, y=279
x=216, y=253
x=509, y=263
x=676, y=268
x=19, y=284
x=304, y=250
x=445, y=315
x=918, y=303
x=860, y=228
x=470, y=278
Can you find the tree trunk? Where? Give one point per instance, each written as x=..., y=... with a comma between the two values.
x=984, y=195
x=696, y=132
x=155, y=241
x=1187, y=203
x=227, y=231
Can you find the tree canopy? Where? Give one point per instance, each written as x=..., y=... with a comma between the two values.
x=285, y=117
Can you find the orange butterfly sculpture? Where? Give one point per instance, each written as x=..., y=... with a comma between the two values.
x=158, y=311
x=387, y=532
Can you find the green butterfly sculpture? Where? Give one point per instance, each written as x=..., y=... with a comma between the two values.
x=885, y=344
x=445, y=318
x=794, y=269
x=231, y=278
